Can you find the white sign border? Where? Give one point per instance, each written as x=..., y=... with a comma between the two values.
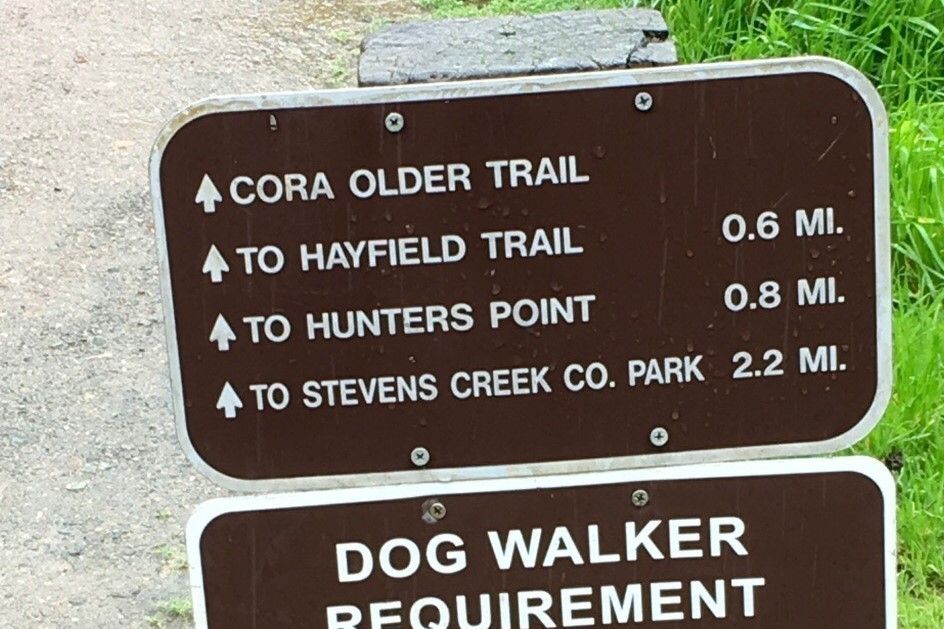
x=866, y=466
x=538, y=84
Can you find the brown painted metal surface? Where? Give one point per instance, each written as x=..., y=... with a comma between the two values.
x=654, y=256
x=817, y=540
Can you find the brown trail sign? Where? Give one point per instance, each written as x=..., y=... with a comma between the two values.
x=777, y=544
x=537, y=275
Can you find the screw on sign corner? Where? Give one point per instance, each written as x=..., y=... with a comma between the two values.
x=433, y=511
x=420, y=456
x=394, y=122
x=644, y=101
x=659, y=436
x=640, y=498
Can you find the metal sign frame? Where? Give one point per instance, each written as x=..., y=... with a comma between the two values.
x=543, y=84
x=868, y=467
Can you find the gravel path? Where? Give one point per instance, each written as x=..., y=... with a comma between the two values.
x=94, y=491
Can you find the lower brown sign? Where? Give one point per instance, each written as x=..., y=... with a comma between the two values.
x=778, y=544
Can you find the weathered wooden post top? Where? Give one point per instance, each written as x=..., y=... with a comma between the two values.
x=553, y=43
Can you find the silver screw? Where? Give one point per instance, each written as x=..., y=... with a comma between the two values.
x=644, y=101
x=640, y=497
x=419, y=456
x=394, y=122
x=433, y=511
x=659, y=436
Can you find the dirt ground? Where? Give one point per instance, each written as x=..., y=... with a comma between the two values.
x=94, y=489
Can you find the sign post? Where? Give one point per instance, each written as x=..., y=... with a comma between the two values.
x=778, y=544
x=542, y=275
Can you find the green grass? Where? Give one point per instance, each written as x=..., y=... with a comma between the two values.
x=917, y=152
x=176, y=612
x=899, y=44
x=173, y=557
x=912, y=430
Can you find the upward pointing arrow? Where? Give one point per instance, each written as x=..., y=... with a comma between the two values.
x=215, y=265
x=229, y=401
x=222, y=334
x=208, y=195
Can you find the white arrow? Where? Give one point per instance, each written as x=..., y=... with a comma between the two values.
x=215, y=265
x=222, y=334
x=229, y=401
x=208, y=195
